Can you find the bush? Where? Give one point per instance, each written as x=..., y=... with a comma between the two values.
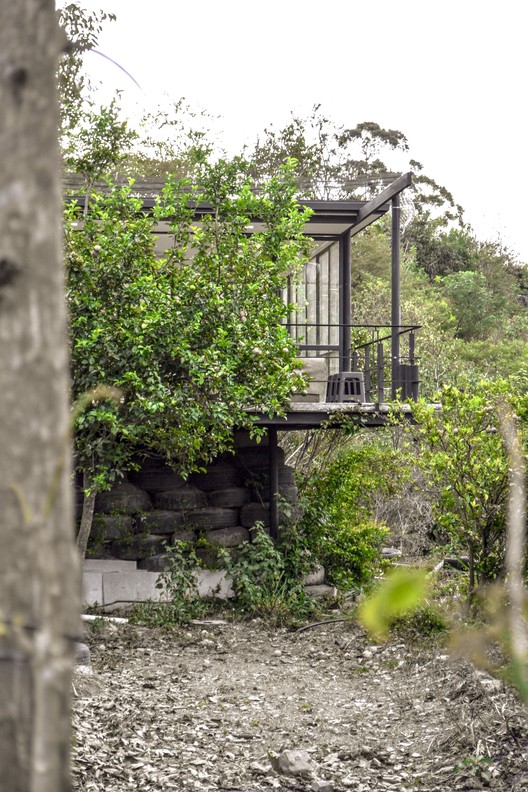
x=340, y=527
x=267, y=578
x=178, y=581
x=424, y=623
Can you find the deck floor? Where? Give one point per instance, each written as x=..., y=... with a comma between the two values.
x=311, y=415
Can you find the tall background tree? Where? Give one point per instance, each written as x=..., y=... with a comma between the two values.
x=38, y=567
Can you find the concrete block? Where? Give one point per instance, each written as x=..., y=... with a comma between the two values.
x=108, y=565
x=317, y=373
x=316, y=577
x=92, y=588
x=321, y=590
x=138, y=585
x=214, y=583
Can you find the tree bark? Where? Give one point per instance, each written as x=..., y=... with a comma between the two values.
x=39, y=590
x=85, y=527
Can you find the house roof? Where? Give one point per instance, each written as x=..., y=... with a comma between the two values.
x=328, y=222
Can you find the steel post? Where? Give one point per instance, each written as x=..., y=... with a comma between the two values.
x=274, y=482
x=395, y=297
x=345, y=301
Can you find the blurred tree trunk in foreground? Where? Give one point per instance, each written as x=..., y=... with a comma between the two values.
x=38, y=567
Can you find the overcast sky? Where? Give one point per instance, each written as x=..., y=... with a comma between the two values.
x=450, y=74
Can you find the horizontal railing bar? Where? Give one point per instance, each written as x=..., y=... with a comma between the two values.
x=383, y=338
x=317, y=347
x=373, y=326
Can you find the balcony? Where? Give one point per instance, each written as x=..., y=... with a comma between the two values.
x=383, y=378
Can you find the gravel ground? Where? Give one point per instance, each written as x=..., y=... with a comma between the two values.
x=209, y=707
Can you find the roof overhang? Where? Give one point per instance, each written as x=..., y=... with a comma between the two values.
x=328, y=222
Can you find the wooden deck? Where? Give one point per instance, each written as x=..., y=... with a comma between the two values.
x=312, y=415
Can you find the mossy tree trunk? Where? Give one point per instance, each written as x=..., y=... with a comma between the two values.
x=39, y=582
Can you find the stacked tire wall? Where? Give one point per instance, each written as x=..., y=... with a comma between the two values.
x=155, y=507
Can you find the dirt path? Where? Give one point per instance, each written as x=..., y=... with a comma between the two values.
x=203, y=708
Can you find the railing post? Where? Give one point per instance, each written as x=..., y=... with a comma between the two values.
x=411, y=347
x=395, y=296
x=367, y=373
x=380, y=363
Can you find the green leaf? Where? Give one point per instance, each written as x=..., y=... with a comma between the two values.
x=401, y=593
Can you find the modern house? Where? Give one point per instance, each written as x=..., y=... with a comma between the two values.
x=355, y=370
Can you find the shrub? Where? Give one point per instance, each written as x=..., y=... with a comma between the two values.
x=340, y=527
x=267, y=578
x=178, y=582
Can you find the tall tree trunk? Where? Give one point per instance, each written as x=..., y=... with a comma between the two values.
x=39, y=591
x=85, y=527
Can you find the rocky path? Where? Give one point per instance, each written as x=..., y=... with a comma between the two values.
x=214, y=707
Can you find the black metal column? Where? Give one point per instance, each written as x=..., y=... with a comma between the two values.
x=395, y=296
x=273, y=482
x=345, y=301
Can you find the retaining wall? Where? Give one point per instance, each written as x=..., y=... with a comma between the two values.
x=216, y=508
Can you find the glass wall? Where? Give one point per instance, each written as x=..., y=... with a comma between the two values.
x=315, y=317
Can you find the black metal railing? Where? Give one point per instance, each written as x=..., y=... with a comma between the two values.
x=387, y=376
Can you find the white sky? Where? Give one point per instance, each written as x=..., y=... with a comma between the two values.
x=450, y=74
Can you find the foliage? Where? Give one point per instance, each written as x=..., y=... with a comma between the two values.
x=178, y=585
x=98, y=143
x=473, y=322
x=165, y=142
x=267, y=578
x=82, y=29
x=339, y=524
x=476, y=308
x=400, y=595
x=334, y=161
x=339, y=162
x=191, y=344
x=463, y=457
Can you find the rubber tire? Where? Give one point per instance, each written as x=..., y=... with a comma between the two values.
x=228, y=537
x=289, y=492
x=213, y=517
x=108, y=527
x=254, y=512
x=216, y=478
x=161, y=521
x=259, y=478
x=139, y=547
x=123, y=498
x=154, y=481
x=256, y=457
x=183, y=499
x=230, y=498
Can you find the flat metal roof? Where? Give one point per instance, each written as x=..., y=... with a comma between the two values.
x=329, y=219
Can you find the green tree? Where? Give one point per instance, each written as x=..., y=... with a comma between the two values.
x=333, y=161
x=82, y=29
x=474, y=305
x=193, y=339
x=462, y=454
x=98, y=144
